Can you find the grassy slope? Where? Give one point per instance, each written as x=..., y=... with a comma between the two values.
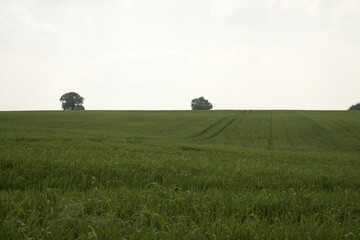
x=180, y=175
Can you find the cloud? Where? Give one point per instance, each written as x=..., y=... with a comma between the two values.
x=242, y=54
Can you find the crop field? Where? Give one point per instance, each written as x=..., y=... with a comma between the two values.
x=180, y=175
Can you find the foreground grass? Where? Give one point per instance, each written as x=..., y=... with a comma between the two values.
x=179, y=175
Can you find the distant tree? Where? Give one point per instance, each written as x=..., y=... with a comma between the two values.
x=201, y=104
x=355, y=107
x=72, y=101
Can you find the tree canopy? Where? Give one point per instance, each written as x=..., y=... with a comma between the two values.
x=201, y=104
x=355, y=107
x=72, y=101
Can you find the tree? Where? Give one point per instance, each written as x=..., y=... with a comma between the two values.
x=355, y=107
x=72, y=101
x=201, y=104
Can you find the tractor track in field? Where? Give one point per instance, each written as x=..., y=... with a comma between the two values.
x=222, y=129
x=287, y=133
x=321, y=133
x=270, y=133
x=347, y=130
x=209, y=128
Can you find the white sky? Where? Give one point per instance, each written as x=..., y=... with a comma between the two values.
x=160, y=54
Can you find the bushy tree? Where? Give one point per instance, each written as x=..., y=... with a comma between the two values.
x=355, y=107
x=72, y=101
x=201, y=104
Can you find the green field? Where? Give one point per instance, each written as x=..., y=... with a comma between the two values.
x=180, y=175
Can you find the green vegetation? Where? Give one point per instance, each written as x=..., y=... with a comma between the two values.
x=201, y=104
x=355, y=107
x=180, y=175
x=72, y=101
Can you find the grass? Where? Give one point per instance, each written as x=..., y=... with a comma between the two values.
x=180, y=175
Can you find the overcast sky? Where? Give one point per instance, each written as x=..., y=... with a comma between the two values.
x=160, y=54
